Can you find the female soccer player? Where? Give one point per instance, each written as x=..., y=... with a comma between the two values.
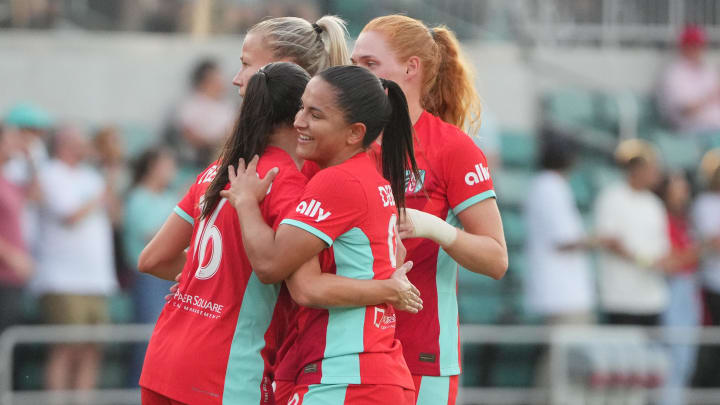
x=344, y=355
x=454, y=184
x=213, y=342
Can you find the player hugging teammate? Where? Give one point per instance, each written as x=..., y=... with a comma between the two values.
x=294, y=232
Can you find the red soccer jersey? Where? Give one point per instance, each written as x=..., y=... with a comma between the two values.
x=454, y=175
x=351, y=208
x=214, y=341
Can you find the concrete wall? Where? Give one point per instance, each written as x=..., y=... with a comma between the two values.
x=99, y=78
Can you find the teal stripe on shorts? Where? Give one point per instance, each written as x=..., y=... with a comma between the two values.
x=434, y=391
x=325, y=394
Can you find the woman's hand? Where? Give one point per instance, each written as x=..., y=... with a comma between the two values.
x=174, y=288
x=246, y=184
x=407, y=296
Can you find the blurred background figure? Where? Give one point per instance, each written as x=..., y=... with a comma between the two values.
x=633, y=290
x=205, y=118
x=690, y=88
x=684, y=308
x=16, y=264
x=149, y=203
x=111, y=161
x=75, y=271
x=706, y=218
x=32, y=124
x=560, y=285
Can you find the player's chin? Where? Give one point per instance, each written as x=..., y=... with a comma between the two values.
x=304, y=150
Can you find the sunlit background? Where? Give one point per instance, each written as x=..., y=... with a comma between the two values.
x=590, y=72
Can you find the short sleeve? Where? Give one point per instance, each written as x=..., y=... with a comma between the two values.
x=283, y=198
x=332, y=203
x=189, y=206
x=467, y=174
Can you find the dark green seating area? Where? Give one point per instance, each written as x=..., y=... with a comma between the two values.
x=594, y=119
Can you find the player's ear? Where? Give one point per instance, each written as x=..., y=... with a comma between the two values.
x=356, y=133
x=412, y=67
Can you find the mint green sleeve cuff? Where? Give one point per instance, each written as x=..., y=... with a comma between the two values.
x=473, y=200
x=184, y=215
x=320, y=234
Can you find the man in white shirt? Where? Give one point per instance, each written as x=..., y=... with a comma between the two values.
x=690, y=89
x=633, y=289
x=75, y=271
x=559, y=285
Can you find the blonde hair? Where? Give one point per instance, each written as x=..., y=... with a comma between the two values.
x=314, y=49
x=447, y=90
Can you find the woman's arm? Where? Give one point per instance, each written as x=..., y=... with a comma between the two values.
x=480, y=247
x=310, y=287
x=164, y=257
x=273, y=255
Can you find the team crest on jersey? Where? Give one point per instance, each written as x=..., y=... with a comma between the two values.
x=412, y=184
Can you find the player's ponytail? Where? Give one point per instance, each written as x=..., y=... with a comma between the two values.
x=271, y=100
x=452, y=97
x=398, y=161
x=447, y=81
x=312, y=46
x=363, y=98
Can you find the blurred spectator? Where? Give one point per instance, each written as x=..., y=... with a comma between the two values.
x=684, y=308
x=560, y=285
x=205, y=118
x=112, y=163
x=690, y=89
x=706, y=218
x=15, y=261
x=33, y=124
x=148, y=205
x=75, y=260
x=633, y=289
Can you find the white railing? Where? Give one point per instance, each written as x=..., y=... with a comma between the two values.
x=565, y=345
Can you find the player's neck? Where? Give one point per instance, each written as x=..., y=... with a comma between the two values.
x=285, y=138
x=415, y=110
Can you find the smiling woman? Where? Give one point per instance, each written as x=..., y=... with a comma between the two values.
x=346, y=206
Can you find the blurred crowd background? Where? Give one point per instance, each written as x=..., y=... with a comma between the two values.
x=601, y=124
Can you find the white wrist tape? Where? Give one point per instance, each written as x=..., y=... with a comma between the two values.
x=431, y=227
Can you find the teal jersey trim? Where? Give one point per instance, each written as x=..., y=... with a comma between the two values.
x=320, y=234
x=474, y=200
x=344, y=337
x=323, y=394
x=184, y=215
x=446, y=284
x=245, y=363
x=433, y=390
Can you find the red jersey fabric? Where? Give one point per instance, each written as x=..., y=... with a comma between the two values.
x=454, y=176
x=214, y=342
x=351, y=208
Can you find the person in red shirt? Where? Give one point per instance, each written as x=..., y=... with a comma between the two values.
x=455, y=184
x=350, y=212
x=216, y=339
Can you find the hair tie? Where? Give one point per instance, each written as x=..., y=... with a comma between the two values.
x=261, y=72
x=317, y=28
